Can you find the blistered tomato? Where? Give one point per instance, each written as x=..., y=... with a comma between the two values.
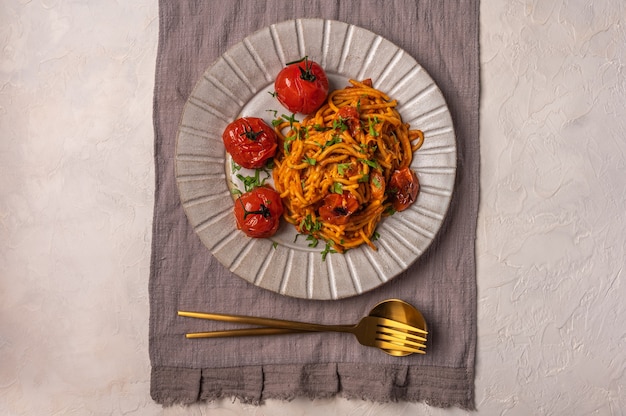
x=349, y=116
x=302, y=87
x=258, y=212
x=403, y=188
x=337, y=208
x=250, y=142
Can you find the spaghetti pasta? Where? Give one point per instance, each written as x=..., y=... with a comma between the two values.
x=333, y=169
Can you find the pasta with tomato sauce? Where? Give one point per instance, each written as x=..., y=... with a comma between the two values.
x=343, y=168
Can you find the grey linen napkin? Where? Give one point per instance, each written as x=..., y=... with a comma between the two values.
x=443, y=37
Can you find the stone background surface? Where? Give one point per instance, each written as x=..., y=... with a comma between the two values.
x=76, y=199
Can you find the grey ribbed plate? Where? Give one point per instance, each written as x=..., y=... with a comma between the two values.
x=238, y=84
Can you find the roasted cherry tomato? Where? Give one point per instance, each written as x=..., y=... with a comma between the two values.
x=302, y=87
x=403, y=188
x=250, y=141
x=258, y=212
x=337, y=208
x=349, y=117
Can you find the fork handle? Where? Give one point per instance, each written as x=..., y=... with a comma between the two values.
x=268, y=322
x=244, y=332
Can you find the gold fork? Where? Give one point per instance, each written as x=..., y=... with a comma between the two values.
x=392, y=336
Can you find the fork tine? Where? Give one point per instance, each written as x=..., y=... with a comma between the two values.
x=400, y=325
x=398, y=347
x=392, y=338
x=402, y=334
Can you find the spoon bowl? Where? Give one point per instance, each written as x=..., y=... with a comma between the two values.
x=400, y=311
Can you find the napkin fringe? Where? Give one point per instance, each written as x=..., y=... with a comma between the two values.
x=373, y=383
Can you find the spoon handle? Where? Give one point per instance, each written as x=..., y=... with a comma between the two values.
x=268, y=322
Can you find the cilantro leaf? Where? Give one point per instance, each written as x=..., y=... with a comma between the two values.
x=328, y=249
x=370, y=163
x=337, y=188
x=343, y=167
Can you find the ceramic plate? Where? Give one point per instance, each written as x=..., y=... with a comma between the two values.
x=238, y=84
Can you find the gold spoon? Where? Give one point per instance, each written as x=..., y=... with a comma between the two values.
x=393, y=325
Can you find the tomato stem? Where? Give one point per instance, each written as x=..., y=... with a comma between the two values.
x=263, y=210
x=251, y=134
x=298, y=61
x=305, y=73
